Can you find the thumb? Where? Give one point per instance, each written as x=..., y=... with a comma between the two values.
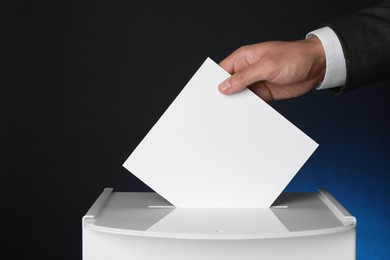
x=241, y=79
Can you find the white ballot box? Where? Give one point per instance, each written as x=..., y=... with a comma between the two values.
x=144, y=226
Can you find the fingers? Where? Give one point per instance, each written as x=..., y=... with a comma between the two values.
x=228, y=64
x=239, y=59
x=263, y=91
x=271, y=92
x=244, y=66
x=241, y=79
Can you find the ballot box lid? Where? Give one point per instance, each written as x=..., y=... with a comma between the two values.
x=293, y=214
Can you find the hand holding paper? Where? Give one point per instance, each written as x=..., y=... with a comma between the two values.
x=213, y=150
x=276, y=70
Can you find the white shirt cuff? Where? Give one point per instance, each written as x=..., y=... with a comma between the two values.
x=336, y=72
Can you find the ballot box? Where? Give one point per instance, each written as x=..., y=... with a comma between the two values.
x=144, y=226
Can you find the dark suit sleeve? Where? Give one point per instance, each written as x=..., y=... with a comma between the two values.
x=365, y=38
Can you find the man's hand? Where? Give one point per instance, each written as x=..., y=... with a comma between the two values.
x=275, y=70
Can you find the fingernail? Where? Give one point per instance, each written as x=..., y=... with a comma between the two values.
x=224, y=85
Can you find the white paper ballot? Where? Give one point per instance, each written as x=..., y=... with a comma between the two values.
x=214, y=150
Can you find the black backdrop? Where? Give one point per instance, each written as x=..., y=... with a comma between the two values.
x=85, y=81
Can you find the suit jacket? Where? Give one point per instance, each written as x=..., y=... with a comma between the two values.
x=365, y=38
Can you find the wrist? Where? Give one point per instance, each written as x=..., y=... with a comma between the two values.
x=317, y=57
x=335, y=71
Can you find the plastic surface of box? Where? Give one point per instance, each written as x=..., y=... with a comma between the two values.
x=126, y=225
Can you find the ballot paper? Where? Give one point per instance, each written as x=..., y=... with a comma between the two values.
x=210, y=150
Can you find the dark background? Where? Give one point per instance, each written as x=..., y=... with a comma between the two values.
x=82, y=83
